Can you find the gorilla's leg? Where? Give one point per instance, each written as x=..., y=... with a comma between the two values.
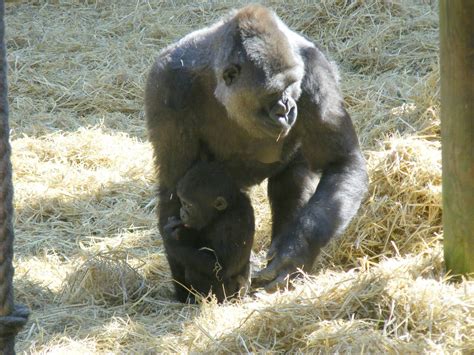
x=168, y=206
x=288, y=191
x=179, y=280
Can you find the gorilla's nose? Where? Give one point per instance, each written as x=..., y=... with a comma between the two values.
x=283, y=113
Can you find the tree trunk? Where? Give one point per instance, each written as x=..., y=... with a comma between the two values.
x=457, y=130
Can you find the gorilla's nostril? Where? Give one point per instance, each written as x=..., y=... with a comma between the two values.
x=280, y=109
x=291, y=115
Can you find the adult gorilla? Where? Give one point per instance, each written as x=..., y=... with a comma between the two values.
x=265, y=102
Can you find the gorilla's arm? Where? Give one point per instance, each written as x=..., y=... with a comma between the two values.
x=233, y=238
x=201, y=260
x=330, y=146
x=170, y=131
x=175, y=146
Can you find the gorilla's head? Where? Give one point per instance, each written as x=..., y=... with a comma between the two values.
x=205, y=191
x=258, y=73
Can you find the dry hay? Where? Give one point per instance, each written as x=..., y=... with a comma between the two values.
x=402, y=213
x=105, y=279
x=89, y=261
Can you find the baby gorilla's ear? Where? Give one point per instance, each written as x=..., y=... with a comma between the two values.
x=220, y=203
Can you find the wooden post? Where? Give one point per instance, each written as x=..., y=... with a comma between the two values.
x=457, y=131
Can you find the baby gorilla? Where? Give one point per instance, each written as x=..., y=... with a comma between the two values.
x=213, y=238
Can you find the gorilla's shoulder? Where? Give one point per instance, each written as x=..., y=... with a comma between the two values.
x=170, y=81
x=320, y=84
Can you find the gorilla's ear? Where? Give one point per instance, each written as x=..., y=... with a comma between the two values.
x=231, y=73
x=220, y=203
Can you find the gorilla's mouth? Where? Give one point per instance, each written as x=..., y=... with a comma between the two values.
x=278, y=126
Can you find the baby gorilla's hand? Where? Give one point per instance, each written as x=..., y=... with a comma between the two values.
x=172, y=228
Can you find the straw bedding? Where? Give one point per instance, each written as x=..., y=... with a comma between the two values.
x=89, y=261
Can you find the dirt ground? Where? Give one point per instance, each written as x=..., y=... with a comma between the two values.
x=89, y=259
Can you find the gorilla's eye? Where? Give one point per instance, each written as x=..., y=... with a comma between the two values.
x=186, y=204
x=231, y=73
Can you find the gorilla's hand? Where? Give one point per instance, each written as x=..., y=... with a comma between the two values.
x=288, y=254
x=171, y=230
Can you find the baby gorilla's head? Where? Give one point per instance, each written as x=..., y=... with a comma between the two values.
x=204, y=191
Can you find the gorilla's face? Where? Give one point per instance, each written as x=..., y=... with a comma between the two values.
x=261, y=102
x=198, y=208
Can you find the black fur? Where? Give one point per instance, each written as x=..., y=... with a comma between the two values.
x=242, y=122
x=210, y=246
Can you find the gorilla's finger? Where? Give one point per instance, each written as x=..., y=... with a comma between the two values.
x=280, y=282
x=173, y=219
x=272, y=251
x=269, y=273
x=262, y=278
x=174, y=222
x=271, y=254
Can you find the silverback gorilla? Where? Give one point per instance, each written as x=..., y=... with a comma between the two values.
x=264, y=102
x=213, y=237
